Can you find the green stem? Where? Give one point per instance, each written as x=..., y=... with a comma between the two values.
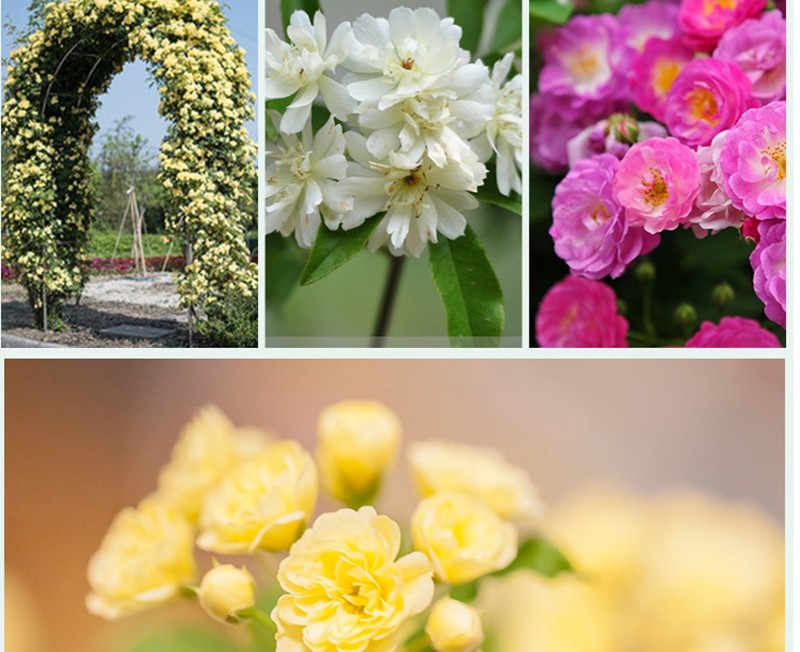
x=647, y=310
x=387, y=303
x=256, y=615
x=419, y=643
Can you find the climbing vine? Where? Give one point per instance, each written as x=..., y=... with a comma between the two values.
x=207, y=158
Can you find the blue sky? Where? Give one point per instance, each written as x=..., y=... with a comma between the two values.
x=129, y=93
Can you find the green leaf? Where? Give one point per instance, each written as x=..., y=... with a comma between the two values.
x=182, y=639
x=540, y=556
x=290, y=6
x=469, y=289
x=468, y=15
x=553, y=11
x=490, y=195
x=509, y=25
x=332, y=249
x=465, y=592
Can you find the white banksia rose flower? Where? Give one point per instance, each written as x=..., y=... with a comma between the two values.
x=439, y=124
x=303, y=183
x=482, y=472
x=454, y=626
x=303, y=68
x=145, y=558
x=420, y=199
x=413, y=51
x=345, y=588
x=503, y=134
x=262, y=503
x=463, y=537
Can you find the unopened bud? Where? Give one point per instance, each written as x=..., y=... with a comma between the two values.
x=685, y=314
x=722, y=295
x=226, y=591
x=645, y=272
x=454, y=627
x=624, y=127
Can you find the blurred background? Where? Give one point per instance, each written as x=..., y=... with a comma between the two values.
x=85, y=438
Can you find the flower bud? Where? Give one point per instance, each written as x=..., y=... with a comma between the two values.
x=750, y=231
x=225, y=591
x=454, y=627
x=358, y=440
x=624, y=127
x=722, y=295
x=645, y=272
x=685, y=314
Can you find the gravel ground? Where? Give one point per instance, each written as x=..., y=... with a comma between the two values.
x=107, y=301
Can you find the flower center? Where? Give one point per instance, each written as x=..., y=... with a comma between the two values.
x=777, y=160
x=584, y=64
x=296, y=160
x=407, y=63
x=599, y=214
x=703, y=105
x=656, y=191
x=710, y=6
x=665, y=72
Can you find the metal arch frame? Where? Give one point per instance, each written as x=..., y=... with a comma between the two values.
x=70, y=52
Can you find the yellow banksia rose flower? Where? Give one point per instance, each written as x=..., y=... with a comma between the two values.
x=711, y=569
x=525, y=611
x=225, y=591
x=145, y=558
x=481, y=472
x=358, y=440
x=603, y=532
x=463, y=537
x=263, y=502
x=203, y=453
x=454, y=627
x=346, y=589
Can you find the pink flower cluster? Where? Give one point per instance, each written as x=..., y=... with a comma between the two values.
x=712, y=73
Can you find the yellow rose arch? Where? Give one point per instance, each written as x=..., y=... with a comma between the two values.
x=207, y=158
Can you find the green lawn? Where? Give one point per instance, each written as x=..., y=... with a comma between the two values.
x=155, y=244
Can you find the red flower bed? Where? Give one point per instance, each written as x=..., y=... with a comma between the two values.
x=115, y=266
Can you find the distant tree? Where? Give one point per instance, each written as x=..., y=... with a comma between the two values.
x=125, y=161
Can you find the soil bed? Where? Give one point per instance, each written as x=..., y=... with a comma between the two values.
x=107, y=301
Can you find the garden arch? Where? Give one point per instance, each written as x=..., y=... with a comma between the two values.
x=207, y=157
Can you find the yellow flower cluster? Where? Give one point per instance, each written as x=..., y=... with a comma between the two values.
x=681, y=571
x=346, y=585
x=207, y=159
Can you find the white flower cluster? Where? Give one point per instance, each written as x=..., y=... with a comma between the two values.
x=420, y=122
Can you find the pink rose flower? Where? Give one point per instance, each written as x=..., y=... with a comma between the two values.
x=732, y=332
x=612, y=136
x=708, y=96
x=713, y=210
x=585, y=66
x=758, y=47
x=653, y=72
x=768, y=261
x=703, y=22
x=657, y=183
x=589, y=228
x=550, y=132
x=578, y=312
x=653, y=19
x=753, y=162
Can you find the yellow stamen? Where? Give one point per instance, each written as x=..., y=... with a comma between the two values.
x=656, y=191
x=777, y=155
x=703, y=105
x=664, y=73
